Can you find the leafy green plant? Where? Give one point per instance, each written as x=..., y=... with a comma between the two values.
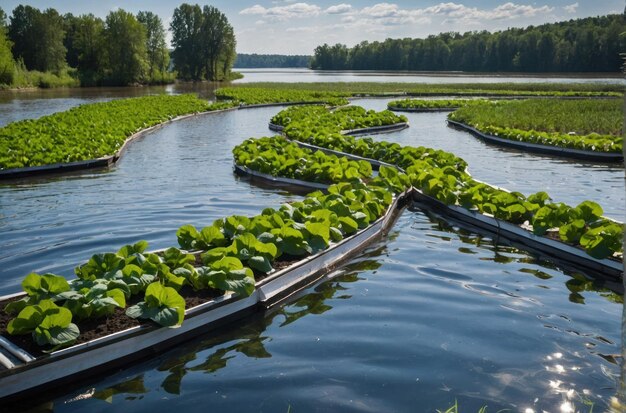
x=227, y=274
x=39, y=287
x=48, y=323
x=163, y=305
x=604, y=240
x=257, y=254
x=190, y=238
x=278, y=157
x=97, y=301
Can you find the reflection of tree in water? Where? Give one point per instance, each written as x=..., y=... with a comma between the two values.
x=248, y=338
x=505, y=253
x=134, y=386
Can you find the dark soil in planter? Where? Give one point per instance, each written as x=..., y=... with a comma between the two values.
x=92, y=329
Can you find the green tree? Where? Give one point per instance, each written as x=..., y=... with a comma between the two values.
x=229, y=53
x=89, y=45
x=7, y=64
x=38, y=38
x=156, y=47
x=590, y=44
x=204, y=43
x=186, y=26
x=70, y=25
x=3, y=18
x=125, y=40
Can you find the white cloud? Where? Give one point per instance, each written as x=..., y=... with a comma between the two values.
x=381, y=10
x=256, y=9
x=392, y=14
x=571, y=8
x=342, y=8
x=296, y=10
x=512, y=11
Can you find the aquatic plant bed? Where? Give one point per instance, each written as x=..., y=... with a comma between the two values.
x=92, y=135
x=26, y=366
x=443, y=176
x=368, y=89
x=305, y=121
x=549, y=244
x=261, y=96
x=437, y=105
x=587, y=125
x=587, y=155
x=282, y=159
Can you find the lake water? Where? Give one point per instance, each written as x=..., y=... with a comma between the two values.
x=429, y=315
x=307, y=75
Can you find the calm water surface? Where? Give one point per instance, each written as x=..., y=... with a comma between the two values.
x=306, y=75
x=430, y=314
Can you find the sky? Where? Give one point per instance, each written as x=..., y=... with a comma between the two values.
x=297, y=27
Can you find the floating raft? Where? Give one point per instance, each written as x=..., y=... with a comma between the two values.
x=21, y=373
x=538, y=148
x=611, y=267
x=103, y=162
x=422, y=110
x=375, y=164
x=360, y=131
x=276, y=180
x=561, y=251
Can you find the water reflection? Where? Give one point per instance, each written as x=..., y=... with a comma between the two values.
x=211, y=354
x=307, y=75
x=30, y=104
x=506, y=252
x=133, y=388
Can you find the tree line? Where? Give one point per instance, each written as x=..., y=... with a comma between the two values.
x=271, y=60
x=583, y=45
x=122, y=49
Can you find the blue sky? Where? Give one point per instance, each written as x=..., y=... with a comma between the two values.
x=297, y=27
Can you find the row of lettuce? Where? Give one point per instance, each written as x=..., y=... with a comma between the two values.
x=586, y=124
x=443, y=176
x=318, y=118
x=90, y=131
x=227, y=256
x=272, y=92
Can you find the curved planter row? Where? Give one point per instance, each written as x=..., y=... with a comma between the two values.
x=556, y=249
x=360, y=131
x=22, y=373
x=374, y=129
x=375, y=164
x=561, y=251
x=276, y=180
x=103, y=162
x=538, y=148
x=421, y=110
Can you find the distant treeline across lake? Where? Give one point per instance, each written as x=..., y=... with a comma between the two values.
x=584, y=45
